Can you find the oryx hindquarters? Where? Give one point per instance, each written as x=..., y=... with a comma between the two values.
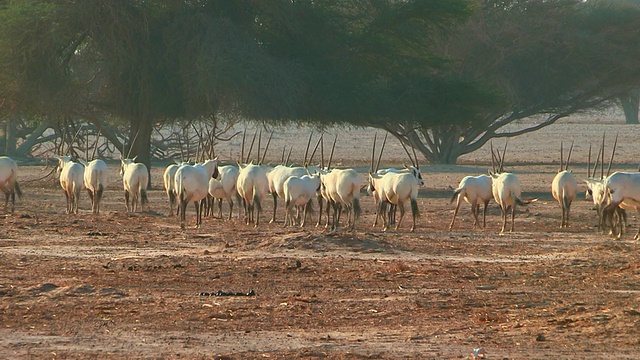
x=192, y=185
x=474, y=190
x=253, y=185
x=168, y=178
x=225, y=188
x=507, y=193
x=623, y=189
x=9, y=181
x=96, y=175
x=71, y=181
x=564, y=189
x=135, y=178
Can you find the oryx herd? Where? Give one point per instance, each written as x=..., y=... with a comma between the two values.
x=337, y=191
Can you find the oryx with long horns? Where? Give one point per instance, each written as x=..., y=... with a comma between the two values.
x=564, y=187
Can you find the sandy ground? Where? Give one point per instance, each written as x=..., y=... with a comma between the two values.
x=121, y=285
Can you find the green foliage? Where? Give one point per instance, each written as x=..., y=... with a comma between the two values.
x=35, y=50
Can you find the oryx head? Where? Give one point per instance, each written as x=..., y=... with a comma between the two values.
x=126, y=162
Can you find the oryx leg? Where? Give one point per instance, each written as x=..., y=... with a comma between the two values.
x=320, y=212
x=484, y=214
x=275, y=207
x=401, y=206
x=287, y=213
x=513, y=216
x=475, y=211
x=6, y=200
x=414, y=213
x=455, y=213
x=13, y=200
x=304, y=213
x=504, y=218
x=385, y=215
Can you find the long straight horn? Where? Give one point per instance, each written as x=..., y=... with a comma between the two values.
x=86, y=147
x=259, y=145
x=589, y=162
x=284, y=148
x=251, y=147
x=264, y=154
x=288, y=156
x=313, y=153
x=602, y=161
x=566, y=167
x=133, y=142
x=405, y=150
x=493, y=158
x=306, y=152
x=332, y=149
x=384, y=142
x=322, y=151
x=561, y=157
x=613, y=152
x=504, y=152
x=244, y=135
x=415, y=157
x=595, y=168
x=498, y=156
x=373, y=154
x=95, y=148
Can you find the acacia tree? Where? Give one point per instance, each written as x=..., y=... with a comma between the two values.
x=630, y=103
x=373, y=64
x=446, y=77
x=144, y=62
x=547, y=59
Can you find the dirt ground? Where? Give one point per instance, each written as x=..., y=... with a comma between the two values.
x=122, y=285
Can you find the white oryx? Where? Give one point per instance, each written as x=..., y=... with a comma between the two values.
x=253, y=186
x=192, y=186
x=168, y=177
x=224, y=188
x=9, y=181
x=622, y=188
x=280, y=173
x=277, y=177
x=342, y=190
x=135, y=178
x=71, y=180
x=598, y=193
x=394, y=188
x=474, y=190
x=299, y=192
x=96, y=175
x=564, y=188
x=507, y=191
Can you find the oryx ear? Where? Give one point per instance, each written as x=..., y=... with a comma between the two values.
x=405, y=165
x=134, y=158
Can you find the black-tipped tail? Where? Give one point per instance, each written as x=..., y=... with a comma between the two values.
x=357, y=210
x=455, y=193
x=143, y=197
x=16, y=188
x=414, y=207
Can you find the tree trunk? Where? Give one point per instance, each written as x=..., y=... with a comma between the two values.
x=140, y=143
x=32, y=139
x=630, y=105
x=10, y=137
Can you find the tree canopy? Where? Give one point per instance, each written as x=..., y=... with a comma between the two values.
x=442, y=76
